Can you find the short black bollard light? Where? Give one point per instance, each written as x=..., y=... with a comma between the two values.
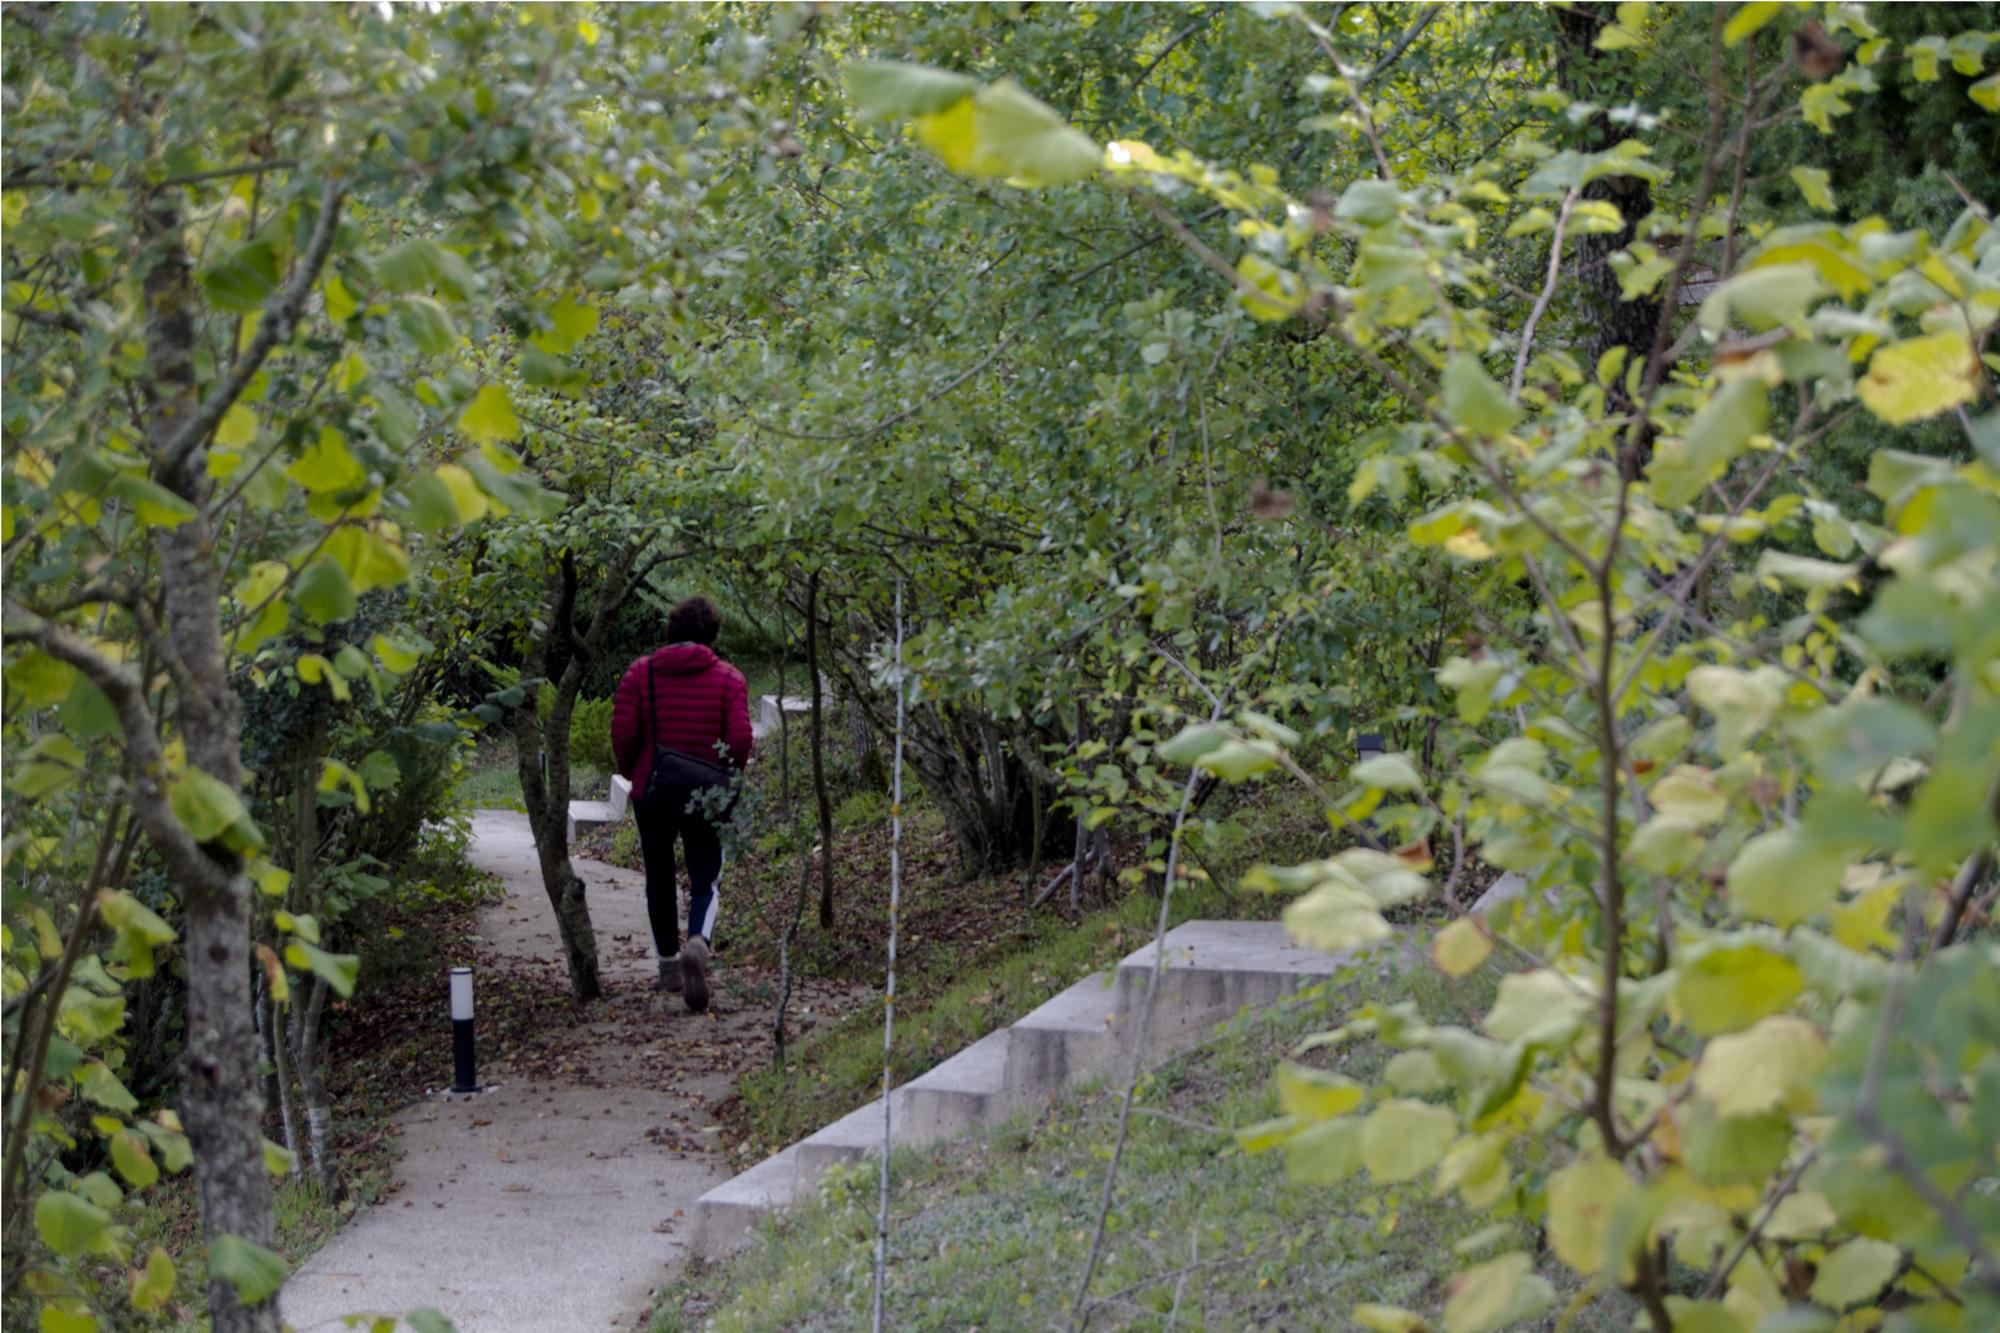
x=465, y=1076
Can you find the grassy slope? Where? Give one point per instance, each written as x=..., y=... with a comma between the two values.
x=974, y=958
x=991, y=1232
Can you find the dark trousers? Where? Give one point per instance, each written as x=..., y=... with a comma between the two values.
x=663, y=819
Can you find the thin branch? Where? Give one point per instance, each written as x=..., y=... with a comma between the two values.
x=1548, y=294
x=1078, y=1307
x=281, y=316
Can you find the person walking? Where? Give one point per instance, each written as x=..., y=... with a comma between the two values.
x=680, y=725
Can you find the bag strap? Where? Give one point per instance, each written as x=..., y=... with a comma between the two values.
x=651, y=705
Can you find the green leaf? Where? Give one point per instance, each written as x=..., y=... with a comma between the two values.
x=1666, y=845
x=327, y=464
x=1733, y=1150
x=324, y=592
x=427, y=325
x=428, y=504
x=69, y=1225
x=1918, y=378
x=1728, y=987
x=893, y=88
x=1763, y=1069
x=1387, y=772
x=1336, y=917
x=55, y=1319
x=1461, y=947
x=1784, y=878
x=411, y=266
x=237, y=428
x=1855, y=739
x=1268, y=292
x=1748, y=19
x=570, y=322
x=102, y=1086
x=1326, y=1153
x=252, y=1270
x=1813, y=184
x=338, y=970
x=152, y=504
x=1855, y=1272
x=1369, y=203
x=1473, y=401
x=132, y=1159
x=1313, y=1094
x=1539, y=1008
x=1501, y=1292
x=1743, y=702
x=243, y=281
x=1018, y=136
x=426, y=1320
x=1402, y=1139
x=1237, y=760
x=1389, y=1319
x=1684, y=464
x=490, y=416
x=205, y=805
x=153, y=1285
x=279, y=1160
x=1582, y=1198
x=1195, y=740
x=1761, y=299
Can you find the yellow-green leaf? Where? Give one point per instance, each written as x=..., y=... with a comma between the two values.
x=1920, y=377
x=1782, y=878
x=1855, y=1272
x=327, y=465
x=1473, y=401
x=1402, y=1139
x=1748, y=19
x=133, y=1160
x=237, y=428
x=1813, y=183
x=1582, y=1198
x=1748, y=1073
x=1460, y=947
x=490, y=416
x=1498, y=1293
x=1728, y=988
x=153, y=1284
x=70, y=1225
x=1313, y=1094
x=204, y=804
x=252, y=1270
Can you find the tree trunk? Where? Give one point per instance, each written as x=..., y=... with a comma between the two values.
x=278, y=1089
x=547, y=799
x=221, y=1104
x=311, y=1056
x=564, y=655
x=819, y=757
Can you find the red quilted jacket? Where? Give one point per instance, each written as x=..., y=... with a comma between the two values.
x=697, y=699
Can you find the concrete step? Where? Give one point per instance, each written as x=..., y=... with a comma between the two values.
x=725, y=1215
x=848, y=1139
x=966, y=1091
x=1214, y=969
x=587, y=815
x=1072, y=1037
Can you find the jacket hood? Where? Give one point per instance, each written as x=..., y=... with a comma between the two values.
x=684, y=659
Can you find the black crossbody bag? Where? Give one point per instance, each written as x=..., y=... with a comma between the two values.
x=678, y=768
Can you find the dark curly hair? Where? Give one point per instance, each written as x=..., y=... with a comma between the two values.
x=693, y=620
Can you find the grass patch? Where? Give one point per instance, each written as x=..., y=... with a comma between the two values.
x=492, y=781
x=992, y=1232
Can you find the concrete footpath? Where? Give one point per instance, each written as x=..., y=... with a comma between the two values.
x=540, y=1204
